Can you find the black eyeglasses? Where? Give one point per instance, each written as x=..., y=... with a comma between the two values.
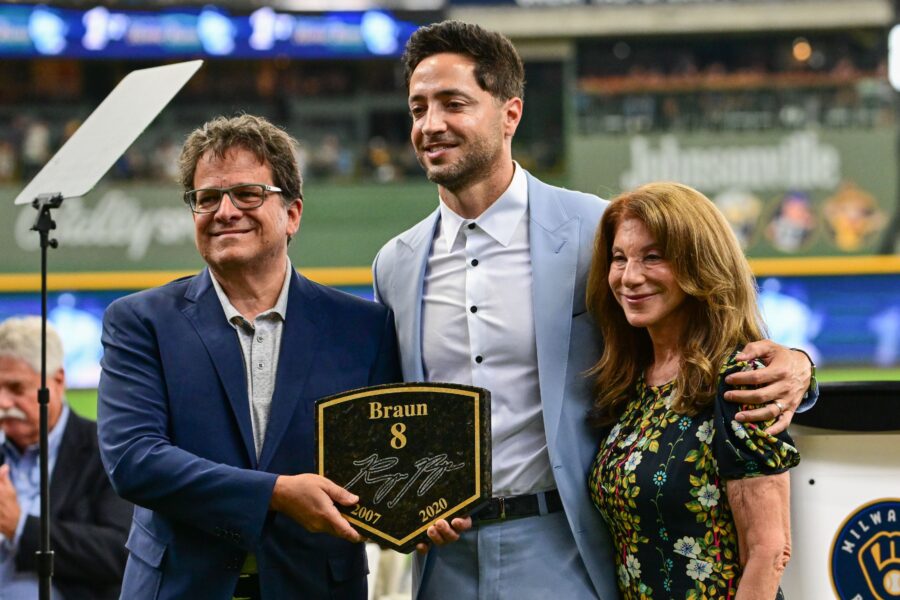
x=245, y=196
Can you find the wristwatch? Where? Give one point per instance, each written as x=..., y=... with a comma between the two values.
x=813, y=390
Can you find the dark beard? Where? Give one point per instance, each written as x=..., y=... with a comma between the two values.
x=474, y=166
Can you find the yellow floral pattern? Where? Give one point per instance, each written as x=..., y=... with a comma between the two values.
x=659, y=482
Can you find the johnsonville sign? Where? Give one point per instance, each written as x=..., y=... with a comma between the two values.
x=797, y=161
x=787, y=193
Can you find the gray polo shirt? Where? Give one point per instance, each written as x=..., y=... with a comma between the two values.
x=260, y=346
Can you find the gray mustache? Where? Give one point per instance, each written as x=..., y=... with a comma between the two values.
x=12, y=413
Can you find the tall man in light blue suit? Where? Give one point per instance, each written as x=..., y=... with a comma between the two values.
x=489, y=290
x=206, y=400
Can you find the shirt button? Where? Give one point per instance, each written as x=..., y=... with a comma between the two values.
x=479, y=359
x=474, y=309
x=471, y=225
x=259, y=338
x=474, y=262
x=260, y=365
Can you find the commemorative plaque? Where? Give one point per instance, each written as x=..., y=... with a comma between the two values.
x=413, y=453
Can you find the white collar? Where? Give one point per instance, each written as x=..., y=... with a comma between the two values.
x=231, y=313
x=500, y=220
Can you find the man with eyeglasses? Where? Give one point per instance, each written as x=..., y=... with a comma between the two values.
x=206, y=396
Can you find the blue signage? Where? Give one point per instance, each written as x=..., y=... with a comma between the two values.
x=35, y=31
x=865, y=554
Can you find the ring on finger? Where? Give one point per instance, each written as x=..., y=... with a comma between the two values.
x=780, y=406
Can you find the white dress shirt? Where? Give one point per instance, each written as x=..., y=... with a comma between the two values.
x=478, y=329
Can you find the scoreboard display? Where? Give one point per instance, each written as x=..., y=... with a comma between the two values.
x=41, y=31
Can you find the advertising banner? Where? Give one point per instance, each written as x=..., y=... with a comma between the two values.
x=147, y=227
x=786, y=193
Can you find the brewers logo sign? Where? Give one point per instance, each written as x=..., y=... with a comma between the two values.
x=865, y=554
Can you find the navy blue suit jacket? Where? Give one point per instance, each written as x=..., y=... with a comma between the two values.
x=175, y=437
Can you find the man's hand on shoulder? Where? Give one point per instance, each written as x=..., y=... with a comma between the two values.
x=444, y=532
x=780, y=386
x=310, y=500
x=9, y=505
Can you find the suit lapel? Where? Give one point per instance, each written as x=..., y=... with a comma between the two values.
x=554, y=263
x=408, y=286
x=299, y=342
x=205, y=312
x=69, y=462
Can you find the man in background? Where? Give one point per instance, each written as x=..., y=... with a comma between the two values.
x=489, y=290
x=207, y=394
x=88, y=521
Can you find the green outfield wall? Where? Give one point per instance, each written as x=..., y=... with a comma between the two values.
x=803, y=202
x=122, y=227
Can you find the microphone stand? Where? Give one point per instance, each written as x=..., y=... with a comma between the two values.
x=43, y=224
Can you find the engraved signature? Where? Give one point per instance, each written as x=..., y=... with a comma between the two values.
x=373, y=472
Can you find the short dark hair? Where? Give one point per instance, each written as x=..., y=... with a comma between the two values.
x=498, y=66
x=269, y=143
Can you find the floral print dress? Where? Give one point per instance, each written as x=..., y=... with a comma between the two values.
x=659, y=482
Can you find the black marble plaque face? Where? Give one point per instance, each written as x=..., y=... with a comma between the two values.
x=413, y=453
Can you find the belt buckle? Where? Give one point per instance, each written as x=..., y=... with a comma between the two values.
x=502, y=516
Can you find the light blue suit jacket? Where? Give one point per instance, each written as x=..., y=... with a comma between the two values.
x=561, y=229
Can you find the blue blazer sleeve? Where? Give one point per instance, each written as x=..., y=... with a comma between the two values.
x=143, y=464
x=386, y=367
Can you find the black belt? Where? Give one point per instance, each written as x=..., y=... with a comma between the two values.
x=517, y=507
x=247, y=587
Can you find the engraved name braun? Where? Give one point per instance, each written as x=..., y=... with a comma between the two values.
x=374, y=470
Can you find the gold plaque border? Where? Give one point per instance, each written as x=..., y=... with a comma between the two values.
x=406, y=389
